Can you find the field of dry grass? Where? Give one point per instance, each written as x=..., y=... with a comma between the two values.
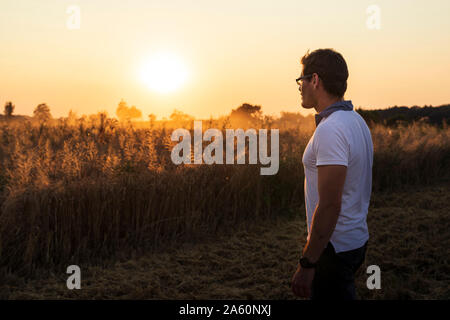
x=409, y=241
x=96, y=193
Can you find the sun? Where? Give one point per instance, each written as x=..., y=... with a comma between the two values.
x=164, y=72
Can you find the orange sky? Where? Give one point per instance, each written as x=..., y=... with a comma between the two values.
x=234, y=52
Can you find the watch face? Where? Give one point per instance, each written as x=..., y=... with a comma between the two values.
x=305, y=263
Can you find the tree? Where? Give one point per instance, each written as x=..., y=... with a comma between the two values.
x=246, y=114
x=9, y=108
x=152, y=119
x=180, y=117
x=42, y=113
x=125, y=113
x=71, y=117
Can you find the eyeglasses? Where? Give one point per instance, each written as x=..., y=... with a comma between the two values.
x=298, y=80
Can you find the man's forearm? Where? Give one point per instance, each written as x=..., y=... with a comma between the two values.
x=324, y=221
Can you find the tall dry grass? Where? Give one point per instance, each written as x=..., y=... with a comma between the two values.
x=415, y=154
x=88, y=190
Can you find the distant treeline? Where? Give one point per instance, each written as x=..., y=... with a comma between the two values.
x=403, y=115
x=244, y=116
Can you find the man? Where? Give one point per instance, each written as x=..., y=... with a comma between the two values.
x=338, y=182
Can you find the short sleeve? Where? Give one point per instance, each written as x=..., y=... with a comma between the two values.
x=330, y=145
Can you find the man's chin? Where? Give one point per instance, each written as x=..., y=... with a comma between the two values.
x=306, y=106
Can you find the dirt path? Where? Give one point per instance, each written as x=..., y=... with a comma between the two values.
x=409, y=241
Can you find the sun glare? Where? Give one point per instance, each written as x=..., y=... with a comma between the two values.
x=164, y=72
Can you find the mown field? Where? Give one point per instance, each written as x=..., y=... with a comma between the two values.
x=409, y=242
x=108, y=198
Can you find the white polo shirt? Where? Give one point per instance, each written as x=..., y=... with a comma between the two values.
x=342, y=138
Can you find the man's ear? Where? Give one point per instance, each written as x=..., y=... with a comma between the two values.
x=315, y=80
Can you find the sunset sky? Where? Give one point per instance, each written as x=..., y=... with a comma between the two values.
x=227, y=52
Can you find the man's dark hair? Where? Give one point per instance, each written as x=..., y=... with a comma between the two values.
x=331, y=68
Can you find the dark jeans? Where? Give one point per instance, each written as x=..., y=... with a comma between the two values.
x=335, y=274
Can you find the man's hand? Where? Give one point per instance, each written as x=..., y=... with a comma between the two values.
x=302, y=282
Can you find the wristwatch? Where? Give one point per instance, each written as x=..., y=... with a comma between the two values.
x=305, y=263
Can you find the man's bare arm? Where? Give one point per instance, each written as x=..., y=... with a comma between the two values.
x=331, y=179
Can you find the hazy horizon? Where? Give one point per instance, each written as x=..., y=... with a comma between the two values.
x=227, y=53
x=144, y=117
